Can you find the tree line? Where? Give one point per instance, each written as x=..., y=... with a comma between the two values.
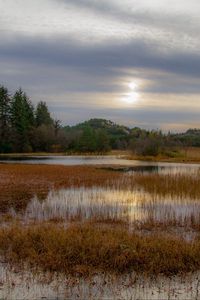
x=25, y=128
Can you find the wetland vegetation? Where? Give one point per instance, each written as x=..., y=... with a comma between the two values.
x=85, y=221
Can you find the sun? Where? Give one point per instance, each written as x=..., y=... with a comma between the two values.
x=132, y=96
x=132, y=85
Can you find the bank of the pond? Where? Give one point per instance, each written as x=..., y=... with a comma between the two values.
x=182, y=155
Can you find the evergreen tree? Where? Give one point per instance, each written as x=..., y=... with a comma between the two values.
x=4, y=120
x=87, y=142
x=43, y=116
x=57, y=126
x=103, y=143
x=22, y=118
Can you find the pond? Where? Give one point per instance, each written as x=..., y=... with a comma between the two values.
x=121, y=200
x=129, y=205
x=25, y=285
x=123, y=163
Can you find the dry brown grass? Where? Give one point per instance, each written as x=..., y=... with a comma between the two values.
x=18, y=183
x=191, y=153
x=85, y=249
x=179, y=185
x=103, y=244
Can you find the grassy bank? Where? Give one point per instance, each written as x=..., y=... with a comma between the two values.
x=181, y=155
x=69, y=153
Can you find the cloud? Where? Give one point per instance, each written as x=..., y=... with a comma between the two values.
x=135, y=54
x=82, y=54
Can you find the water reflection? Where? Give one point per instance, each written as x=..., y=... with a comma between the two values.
x=114, y=162
x=39, y=285
x=114, y=204
x=101, y=160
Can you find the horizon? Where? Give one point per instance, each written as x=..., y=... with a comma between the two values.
x=129, y=127
x=99, y=118
x=136, y=64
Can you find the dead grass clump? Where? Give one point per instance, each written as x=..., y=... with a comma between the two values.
x=19, y=183
x=179, y=185
x=191, y=153
x=86, y=249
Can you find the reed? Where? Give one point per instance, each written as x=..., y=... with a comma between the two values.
x=82, y=220
x=86, y=249
x=90, y=193
x=179, y=185
x=19, y=183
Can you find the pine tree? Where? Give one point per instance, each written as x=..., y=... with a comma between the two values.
x=4, y=120
x=43, y=116
x=22, y=119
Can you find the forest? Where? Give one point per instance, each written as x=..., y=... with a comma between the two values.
x=26, y=129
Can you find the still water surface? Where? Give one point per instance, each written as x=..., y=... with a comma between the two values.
x=125, y=164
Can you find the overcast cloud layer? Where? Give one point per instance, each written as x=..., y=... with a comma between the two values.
x=134, y=62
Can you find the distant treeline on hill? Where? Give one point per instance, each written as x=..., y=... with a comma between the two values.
x=25, y=128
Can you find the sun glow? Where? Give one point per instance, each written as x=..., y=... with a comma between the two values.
x=133, y=95
x=133, y=86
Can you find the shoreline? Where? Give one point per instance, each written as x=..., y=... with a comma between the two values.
x=118, y=154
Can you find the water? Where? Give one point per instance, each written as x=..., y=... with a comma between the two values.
x=26, y=285
x=121, y=200
x=114, y=161
x=112, y=204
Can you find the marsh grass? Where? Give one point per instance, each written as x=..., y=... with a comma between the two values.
x=83, y=250
x=176, y=185
x=86, y=220
x=65, y=193
x=114, y=204
x=19, y=183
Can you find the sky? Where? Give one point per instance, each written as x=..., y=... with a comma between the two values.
x=136, y=63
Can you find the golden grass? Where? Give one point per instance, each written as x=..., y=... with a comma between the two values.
x=18, y=183
x=179, y=185
x=86, y=249
x=103, y=244
x=192, y=153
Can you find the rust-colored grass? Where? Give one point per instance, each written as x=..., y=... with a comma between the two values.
x=18, y=183
x=102, y=244
x=86, y=249
x=178, y=185
x=191, y=153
